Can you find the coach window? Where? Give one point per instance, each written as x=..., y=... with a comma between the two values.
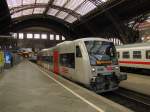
x=67, y=60
x=47, y=59
x=137, y=54
x=78, y=52
x=148, y=54
x=51, y=59
x=126, y=55
x=118, y=54
x=44, y=58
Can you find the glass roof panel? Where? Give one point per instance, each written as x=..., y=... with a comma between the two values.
x=71, y=19
x=27, y=12
x=59, y=8
x=38, y=10
x=42, y=1
x=62, y=15
x=14, y=3
x=59, y=2
x=86, y=8
x=27, y=2
x=99, y=2
x=72, y=4
x=52, y=11
x=104, y=0
x=18, y=14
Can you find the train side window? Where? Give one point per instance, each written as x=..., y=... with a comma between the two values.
x=126, y=55
x=148, y=54
x=137, y=55
x=118, y=54
x=78, y=52
x=46, y=58
x=51, y=59
x=67, y=60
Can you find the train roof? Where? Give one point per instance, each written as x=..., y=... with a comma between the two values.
x=43, y=50
x=77, y=40
x=134, y=45
x=92, y=38
x=83, y=39
x=65, y=42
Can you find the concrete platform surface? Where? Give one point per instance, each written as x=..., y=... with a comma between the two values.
x=137, y=83
x=27, y=88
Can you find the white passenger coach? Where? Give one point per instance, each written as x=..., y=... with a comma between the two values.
x=134, y=55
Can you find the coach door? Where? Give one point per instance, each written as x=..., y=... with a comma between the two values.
x=56, y=60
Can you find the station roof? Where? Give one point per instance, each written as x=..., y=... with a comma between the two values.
x=66, y=10
x=72, y=18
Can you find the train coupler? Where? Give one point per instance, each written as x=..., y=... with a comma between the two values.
x=122, y=76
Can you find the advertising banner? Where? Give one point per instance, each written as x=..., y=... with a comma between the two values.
x=8, y=57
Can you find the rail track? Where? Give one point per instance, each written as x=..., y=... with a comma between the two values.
x=139, y=71
x=130, y=99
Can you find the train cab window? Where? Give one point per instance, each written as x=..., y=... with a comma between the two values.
x=78, y=52
x=148, y=54
x=126, y=55
x=137, y=54
x=67, y=60
x=118, y=54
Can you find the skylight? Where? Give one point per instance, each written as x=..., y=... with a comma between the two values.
x=67, y=10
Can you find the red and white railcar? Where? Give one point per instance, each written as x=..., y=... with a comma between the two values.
x=89, y=61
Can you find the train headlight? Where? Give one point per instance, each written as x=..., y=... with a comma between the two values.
x=93, y=69
x=117, y=68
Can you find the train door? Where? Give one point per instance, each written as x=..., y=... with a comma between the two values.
x=56, y=61
x=79, y=64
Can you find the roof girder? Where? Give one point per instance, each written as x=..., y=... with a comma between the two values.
x=48, y=6
x=24, y=7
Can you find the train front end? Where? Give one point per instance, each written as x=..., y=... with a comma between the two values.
x=105, y=70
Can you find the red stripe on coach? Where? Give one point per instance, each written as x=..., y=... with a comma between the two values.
x=135, y=62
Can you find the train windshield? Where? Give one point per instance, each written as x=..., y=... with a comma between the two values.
x=101, y=52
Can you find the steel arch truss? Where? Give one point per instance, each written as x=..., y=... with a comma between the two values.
x=32, y=6
x=67, y=10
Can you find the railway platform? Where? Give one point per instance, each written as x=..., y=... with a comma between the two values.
x=137, y=83
x=28, y=88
